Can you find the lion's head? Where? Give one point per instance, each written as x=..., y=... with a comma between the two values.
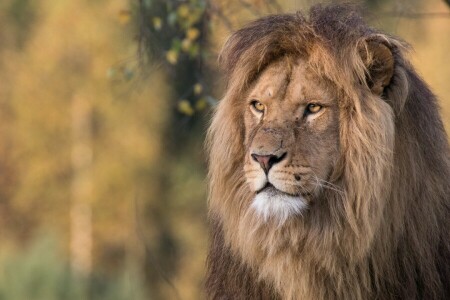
x=316, y=163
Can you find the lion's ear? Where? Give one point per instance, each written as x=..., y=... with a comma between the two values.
x=379, y=63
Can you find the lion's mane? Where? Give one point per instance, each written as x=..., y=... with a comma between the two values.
x=384, y=234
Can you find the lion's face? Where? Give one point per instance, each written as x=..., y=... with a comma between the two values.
x=291, y=137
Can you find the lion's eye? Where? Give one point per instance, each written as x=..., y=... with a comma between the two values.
x=258, y=106
x=313, y=108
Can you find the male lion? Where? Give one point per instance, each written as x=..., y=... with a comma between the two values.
x=329, y=166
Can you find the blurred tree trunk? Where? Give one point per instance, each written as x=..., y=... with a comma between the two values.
x=81, y=187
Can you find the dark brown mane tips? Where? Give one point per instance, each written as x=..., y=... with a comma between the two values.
x=330, y=30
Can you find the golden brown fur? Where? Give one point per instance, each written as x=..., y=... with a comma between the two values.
x=381, y=232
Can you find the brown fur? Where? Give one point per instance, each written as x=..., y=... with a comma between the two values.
x=383, y=233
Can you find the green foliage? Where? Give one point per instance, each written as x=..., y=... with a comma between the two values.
x=174, y=33
x=41, y=273
x=21, y=14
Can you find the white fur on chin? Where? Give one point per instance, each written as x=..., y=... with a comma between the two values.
x=277, y=206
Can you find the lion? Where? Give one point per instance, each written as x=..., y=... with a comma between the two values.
x=329, y=166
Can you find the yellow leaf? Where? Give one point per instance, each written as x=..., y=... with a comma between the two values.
x=183, y=10
x=157, y=23
x=201, y=104
x=192, y=33
x=185, y=107
x=186, y=44
x=124, y=16
x=172, y=56
x=198, y=88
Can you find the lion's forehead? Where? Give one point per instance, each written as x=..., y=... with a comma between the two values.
x=272, y=82
x=290, y=81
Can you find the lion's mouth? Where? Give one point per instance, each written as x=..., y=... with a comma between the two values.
x=267, y=188
x=272, y=190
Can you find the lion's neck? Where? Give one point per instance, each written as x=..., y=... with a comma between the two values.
x=303, y=259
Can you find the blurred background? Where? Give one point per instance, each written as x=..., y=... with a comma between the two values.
x=103, y=111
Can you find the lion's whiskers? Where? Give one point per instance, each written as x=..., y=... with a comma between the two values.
x=321, y=183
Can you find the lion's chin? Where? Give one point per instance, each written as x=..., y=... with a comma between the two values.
x=273, y=204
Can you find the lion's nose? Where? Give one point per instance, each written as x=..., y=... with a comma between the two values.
x=267, y=161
